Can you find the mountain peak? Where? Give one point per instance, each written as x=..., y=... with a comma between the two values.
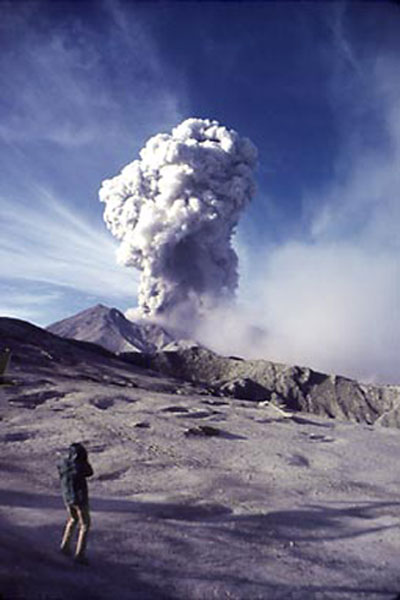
x=109, y=328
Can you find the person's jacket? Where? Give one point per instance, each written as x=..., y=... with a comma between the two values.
x=73, y=472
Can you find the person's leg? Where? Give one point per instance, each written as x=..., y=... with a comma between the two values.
x=69, y=529
x=84, y=526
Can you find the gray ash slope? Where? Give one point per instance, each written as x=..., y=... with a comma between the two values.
x=43, y=362
x=109, y=328
x=274, y=508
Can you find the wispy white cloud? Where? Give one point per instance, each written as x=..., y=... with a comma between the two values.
x=335, y=21
x=46, y=242
x=29, y=306
x=62, y=84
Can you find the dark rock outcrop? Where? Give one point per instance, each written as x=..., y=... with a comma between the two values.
x=203, y=431
x=243, y=388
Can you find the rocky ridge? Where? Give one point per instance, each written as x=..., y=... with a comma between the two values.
x=296, y=388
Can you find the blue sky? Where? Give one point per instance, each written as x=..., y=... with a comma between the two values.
x=314, y=85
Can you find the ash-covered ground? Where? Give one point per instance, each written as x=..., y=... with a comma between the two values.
x=270, y=506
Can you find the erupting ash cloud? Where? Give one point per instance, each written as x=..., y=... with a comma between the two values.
x=175, y=211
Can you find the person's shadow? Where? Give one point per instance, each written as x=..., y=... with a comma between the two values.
x=34, y=547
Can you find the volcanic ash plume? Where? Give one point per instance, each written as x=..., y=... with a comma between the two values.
x=175, y=211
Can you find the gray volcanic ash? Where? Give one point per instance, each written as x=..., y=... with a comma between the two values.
x=175, y=211
x=265, y=505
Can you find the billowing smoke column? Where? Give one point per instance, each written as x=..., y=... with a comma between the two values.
x=175, y=211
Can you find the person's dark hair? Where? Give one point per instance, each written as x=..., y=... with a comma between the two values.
x=77, y=451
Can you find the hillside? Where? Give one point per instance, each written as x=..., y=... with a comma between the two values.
x=195, y=496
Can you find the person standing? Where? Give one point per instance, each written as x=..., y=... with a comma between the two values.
x=73, y=471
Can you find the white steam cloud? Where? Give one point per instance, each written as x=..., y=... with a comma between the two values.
x=175, y=210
